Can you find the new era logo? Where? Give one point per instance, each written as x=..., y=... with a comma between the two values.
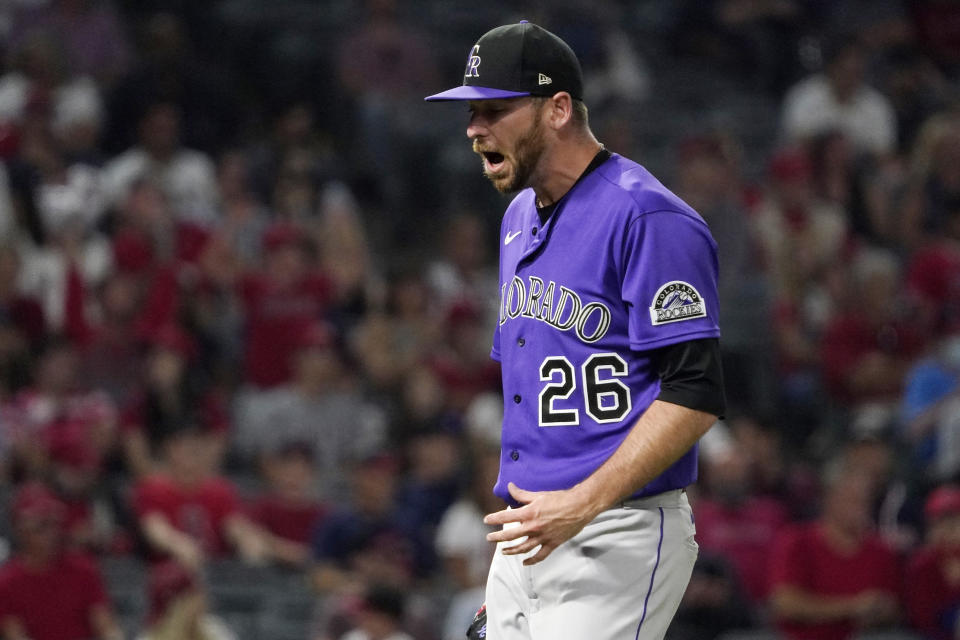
x=542, y=79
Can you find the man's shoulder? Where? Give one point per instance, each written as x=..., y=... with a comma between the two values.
x=625, y=182
x=524, y=201
x=619, y=186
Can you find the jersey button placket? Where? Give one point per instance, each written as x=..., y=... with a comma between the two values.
x=514, y=455
x=521, y=342
x=517, y=398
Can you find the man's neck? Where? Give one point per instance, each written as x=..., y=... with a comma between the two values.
x=561, y=168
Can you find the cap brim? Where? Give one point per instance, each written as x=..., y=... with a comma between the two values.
x=475, y=93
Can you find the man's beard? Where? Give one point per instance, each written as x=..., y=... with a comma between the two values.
x=526, y=156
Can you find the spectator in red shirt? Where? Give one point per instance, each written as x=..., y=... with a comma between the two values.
x=75, y=474
x=868, y=348
x=47, y=593
x=734, y=522
x=56, y=403
x=189, y=511
x=289, y=296
x=160, y=253
x=462, y=360
x=834, y=576
x=290, y=510
x=933, y=573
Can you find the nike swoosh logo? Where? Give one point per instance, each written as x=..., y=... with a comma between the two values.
x=510, y=237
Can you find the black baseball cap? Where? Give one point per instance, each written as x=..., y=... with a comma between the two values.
x=517, y=60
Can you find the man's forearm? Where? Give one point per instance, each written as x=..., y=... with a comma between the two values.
x=660, y=437
x=164, y=537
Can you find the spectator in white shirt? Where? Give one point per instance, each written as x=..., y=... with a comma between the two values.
x=839, y=98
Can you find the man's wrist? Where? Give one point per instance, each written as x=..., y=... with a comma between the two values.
x=591, y=501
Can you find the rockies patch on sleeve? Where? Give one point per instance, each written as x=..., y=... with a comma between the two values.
x=676, y=301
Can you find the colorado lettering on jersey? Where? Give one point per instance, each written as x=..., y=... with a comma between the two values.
x=556, y=305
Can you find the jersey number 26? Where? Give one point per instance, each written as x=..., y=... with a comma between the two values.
x=606, y=400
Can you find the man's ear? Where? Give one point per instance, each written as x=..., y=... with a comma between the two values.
x=559, y=110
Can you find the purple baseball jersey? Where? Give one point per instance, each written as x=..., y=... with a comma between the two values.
x=622, y=267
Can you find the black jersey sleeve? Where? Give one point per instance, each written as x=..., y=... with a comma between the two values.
x=691, y=375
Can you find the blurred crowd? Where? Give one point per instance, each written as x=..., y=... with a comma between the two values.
x=248, y=284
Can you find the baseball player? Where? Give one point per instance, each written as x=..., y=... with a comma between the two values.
x=608, y=341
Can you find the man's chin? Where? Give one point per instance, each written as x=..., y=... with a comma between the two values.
x=504, y=183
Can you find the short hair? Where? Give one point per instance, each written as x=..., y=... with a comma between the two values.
x=579, y=116
x=580, y=113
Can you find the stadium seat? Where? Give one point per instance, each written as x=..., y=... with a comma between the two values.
x=242, y=598
x=125, y=580
x=299, y=604
x=120, y=571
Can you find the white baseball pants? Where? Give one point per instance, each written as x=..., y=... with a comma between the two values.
x=620, y=578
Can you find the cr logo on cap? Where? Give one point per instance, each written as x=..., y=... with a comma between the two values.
x=473, y=63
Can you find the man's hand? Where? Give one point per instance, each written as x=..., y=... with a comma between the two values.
x=547, y=519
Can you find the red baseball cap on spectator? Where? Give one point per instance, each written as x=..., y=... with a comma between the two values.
x=281, y=234
x=168, y=581
x=943, y=501
x=34, y=502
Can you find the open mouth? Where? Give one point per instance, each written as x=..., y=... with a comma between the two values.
x=492, y=160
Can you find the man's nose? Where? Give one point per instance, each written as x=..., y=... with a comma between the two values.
x=476, y=127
